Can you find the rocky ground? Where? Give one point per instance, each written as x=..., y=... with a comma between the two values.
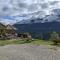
x=29, y=52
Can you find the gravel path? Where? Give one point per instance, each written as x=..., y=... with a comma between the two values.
x=29, y=52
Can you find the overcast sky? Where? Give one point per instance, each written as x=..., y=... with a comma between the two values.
x=12, y=11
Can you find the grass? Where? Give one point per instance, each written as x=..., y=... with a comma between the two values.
x=18, y=41
x=13, y=41
x=24, y=41
x=42, y=42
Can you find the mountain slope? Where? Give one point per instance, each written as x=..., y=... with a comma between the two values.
x=39, y=27
x=47, y=18
x=36, y=29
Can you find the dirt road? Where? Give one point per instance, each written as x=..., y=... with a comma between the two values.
x=28, y=52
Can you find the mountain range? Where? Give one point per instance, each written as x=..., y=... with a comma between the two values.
x=38, y=25
x=36, y=29
x=38, y=17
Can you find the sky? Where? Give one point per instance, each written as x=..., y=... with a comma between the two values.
x=12, y=11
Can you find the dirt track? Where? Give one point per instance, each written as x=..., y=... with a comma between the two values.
x=28, y=52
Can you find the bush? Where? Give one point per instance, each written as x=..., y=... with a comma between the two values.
x=55, y=38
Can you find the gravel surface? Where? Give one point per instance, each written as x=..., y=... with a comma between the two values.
x=29, y=52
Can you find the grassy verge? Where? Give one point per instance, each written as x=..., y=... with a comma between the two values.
x=42, y=42
x=13, y=41
x=24, y=41
x=18, y=41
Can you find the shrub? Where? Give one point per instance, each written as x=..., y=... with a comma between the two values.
x=55, y=38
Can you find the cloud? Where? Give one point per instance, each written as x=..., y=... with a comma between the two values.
x=54, y=2
x=23, y=8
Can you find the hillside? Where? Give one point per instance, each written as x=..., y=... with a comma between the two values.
x=39, y=27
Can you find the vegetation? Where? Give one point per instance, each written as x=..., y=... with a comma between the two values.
x=55, y=38
x=24, y=41
x=42, y=42
x=13, y=41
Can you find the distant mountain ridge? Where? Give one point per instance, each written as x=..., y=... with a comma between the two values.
x=38, y=25
x=39, y=17
x=47, y=18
